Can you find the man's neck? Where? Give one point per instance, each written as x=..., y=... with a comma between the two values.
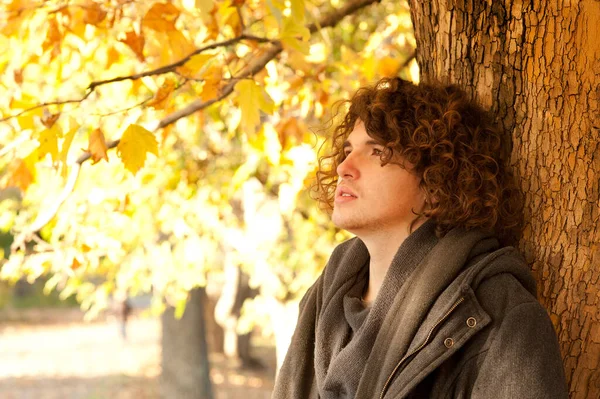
x=382, y=249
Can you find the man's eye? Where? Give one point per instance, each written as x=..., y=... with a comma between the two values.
x=377, y=151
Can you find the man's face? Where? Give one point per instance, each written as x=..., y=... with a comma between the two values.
x=371, y=198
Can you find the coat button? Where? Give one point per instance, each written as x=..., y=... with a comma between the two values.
x=448, y=342
x=471, y=322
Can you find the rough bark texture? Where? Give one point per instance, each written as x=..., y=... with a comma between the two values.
x=185, y=368
x=536, y=66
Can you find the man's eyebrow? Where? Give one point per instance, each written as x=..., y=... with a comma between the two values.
x=368, y=142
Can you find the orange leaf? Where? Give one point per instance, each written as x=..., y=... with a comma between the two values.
x=49, y=119
x=53, y=35
x=212, y=27
x=388, y=66
x=76, y=264
x=97, y=146
x=159, y=101
x=112, y=56
x=18, y=76
x=20, y=175
x=136, y=43
x=161, y=17
x=212, y=83
x=94, y=14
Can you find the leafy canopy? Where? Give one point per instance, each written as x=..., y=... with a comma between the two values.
x=201, y=120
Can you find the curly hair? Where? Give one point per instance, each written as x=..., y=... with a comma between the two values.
x=451, y=144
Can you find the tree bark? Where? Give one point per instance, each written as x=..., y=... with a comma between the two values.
x=535, y=65
x=185, y=368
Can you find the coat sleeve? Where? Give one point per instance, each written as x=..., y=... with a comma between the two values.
x=523, y=359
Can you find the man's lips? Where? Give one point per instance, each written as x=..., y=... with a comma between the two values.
x=344, y=194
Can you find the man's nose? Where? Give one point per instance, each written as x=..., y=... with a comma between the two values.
x=347, y=168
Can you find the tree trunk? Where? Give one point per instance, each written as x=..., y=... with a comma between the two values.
x=185, y=368
x=535, y=65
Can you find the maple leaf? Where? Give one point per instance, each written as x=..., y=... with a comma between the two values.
x=136, y=43
x=49, y=119
x=53, y=36
x=252, y=98
x=159, y=101
x=112, y=56
x=205, y=7
x=93, y=14
x=135, y=143
x=161, y=17
x=49, y=142
x=212, y=83
x=20, y=175
x=195, y=64
x=97, y=146
x=179, y=45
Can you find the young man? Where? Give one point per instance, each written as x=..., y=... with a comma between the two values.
x=424, y=302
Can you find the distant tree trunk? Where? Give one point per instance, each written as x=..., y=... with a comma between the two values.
x=185, y=367
x=535, y=65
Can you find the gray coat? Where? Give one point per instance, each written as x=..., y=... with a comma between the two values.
x=490, y=338
x=464, y=324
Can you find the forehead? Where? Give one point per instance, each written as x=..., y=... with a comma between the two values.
x=359, y=136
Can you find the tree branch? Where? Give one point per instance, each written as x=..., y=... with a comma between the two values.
x=249, y=70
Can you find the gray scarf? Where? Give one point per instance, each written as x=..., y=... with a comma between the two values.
x=324, y=361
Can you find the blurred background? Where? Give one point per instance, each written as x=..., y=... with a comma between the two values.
x=156, y=162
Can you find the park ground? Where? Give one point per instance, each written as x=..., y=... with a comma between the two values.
x=67, y=358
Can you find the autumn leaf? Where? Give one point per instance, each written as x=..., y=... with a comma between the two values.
x=195, y=64
x=53, y=37
x=179, y=46
x=112, y=56
x=135, y=143
x=49, y=142
x=97, y=146
x=20, y=175
x=252, y=99
x=212, y=83
x=136, y=43
x=205, y=7
x=93, y=13
x=295, y=35
x=388, y=66
x=49, y=119
x=161, y=17
x=159, y=101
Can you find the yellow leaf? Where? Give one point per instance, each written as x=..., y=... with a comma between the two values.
x=205, y=7
x=179, y=46
x=161, y=17
x=66, y=145
x=27, y=120
x=160, y=99
x=97, y=146
x=93, y=13
x=136, y=43
x=25, y=101
x=192, y=67
x=49, y=142
x=252, y=98
x=135, y=143
x=295, y=35
x=298, y=11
